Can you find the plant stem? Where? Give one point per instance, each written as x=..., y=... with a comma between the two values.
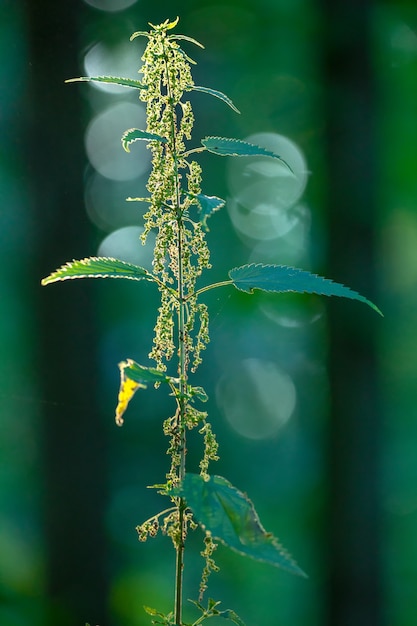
x=182, y=367
x=181, y=426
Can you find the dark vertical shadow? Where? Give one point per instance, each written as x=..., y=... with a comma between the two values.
x=74, y=449
x=354, y=521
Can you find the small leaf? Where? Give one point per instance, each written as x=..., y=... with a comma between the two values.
x=186, y=38
x=115, y=80
x=236, y=147
x=280, y=278
x=229, y=516
x=142, y=374
x=232, y=616
x=217, y=94
x=98, y=267
x=139, y=33
x=170, y=25
x=198, y=392
x=208, y=205
x=135, y=134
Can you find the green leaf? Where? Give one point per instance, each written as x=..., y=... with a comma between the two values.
x=208, y=205
x=98, y=267
x=135, y=134
x=197, y=392
x=280, y=278
x=232, y=616
x=139, y=33
x=216, y=94
x=236, y=147
x=115, y=80
x=230, y=517
x=186, y=38
x=142, y=374
x=212, y=611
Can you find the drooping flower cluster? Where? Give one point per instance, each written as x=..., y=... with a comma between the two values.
x=181, y=252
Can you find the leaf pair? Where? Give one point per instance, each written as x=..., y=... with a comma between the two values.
x=270, y=278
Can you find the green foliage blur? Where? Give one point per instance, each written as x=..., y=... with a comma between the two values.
x=72, y=485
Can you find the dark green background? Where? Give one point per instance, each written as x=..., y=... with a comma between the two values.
x=338, y=483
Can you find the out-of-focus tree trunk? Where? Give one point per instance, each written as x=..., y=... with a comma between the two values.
x=353, y=535
x=74, y=451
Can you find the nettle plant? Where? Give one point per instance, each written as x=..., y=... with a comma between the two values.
x=178, y=212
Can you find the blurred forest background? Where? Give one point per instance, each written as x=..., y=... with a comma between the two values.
x=313, y=400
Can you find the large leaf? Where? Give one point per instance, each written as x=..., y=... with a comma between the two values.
x=217, y=94
x=280, y=278
x=133, y=377
x=114, y=80
x=236, y=147
x=98, y=267
x=230, y=517
x=135, y=134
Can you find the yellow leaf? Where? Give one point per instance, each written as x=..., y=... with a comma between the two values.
x=128, y=388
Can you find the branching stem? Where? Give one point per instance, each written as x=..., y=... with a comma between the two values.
x=223, y=283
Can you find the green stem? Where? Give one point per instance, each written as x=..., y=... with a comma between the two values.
x=182, y=369
x=223, y=283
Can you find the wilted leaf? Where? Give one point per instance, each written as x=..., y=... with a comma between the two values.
x=133, y=377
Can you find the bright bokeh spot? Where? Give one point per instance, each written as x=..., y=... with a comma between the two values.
x=104, y=148
x=121, y=60
x=125, y=244
x=110, y=5
x=264, y=190
x=291, y=247
x=257, y=398
x=106, y=204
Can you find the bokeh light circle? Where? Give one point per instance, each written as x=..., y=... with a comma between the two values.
x=104, y=148
x=257, y=398
x=125, y=244
x=117, y=60
x=264, y=189
x=111, y=6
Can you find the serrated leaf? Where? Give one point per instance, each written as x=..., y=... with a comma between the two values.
x=235, y=147
x=208, y=205
x=230, y=517
x=281, y=278
x=114, y=80
x=98, y=267
x=135, y=134
x=216, y=94
x=133, y=377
